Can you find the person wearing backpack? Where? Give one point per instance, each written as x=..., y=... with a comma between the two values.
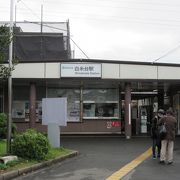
x=156, y=142
x=167, y=143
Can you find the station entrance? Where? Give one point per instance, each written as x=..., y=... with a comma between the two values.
x=97, y=107
x=142, y=111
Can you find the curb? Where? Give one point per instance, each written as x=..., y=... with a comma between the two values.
x=22, y=171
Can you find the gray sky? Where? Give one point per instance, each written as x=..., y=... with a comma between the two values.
x=140, y=30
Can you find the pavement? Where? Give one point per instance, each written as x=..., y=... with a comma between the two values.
x=101, y=157
x=22, y=171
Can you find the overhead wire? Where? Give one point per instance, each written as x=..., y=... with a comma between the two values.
x=114, y=7
x=79, y=48
x=101, y=6
x=137, y=2
x=169, y=23
x=115, y=18
x=167, y=53
x=30, y=10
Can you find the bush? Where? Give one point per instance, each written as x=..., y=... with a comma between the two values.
x=30, y=145
x=3, y=126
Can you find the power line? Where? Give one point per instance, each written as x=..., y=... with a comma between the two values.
x=126, y=7
x=136, y=20
x=167, y=53
x=52, y=27
x=93, y=5
x=80, y=48
x=107, y=16
x=162, y=22
x=125, y=20
x=117, y=18
x=32, y=12
x=136, y=2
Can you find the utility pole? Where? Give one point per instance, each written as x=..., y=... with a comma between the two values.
x=41, y=18
x=9, y=122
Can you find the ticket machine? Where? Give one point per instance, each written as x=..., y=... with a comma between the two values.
x=143, y=119
x=146, y=114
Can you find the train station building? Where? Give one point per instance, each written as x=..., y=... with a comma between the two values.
x=103, y=96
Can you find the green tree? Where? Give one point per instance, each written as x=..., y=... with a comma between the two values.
x=5, y=39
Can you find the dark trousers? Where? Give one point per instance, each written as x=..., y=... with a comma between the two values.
x=156, y=143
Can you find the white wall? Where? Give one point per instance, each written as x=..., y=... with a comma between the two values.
x=52, y=70
x=128, y=71
x=165, y=72
x=37, y=70
x=29, y=70
x=109, y=71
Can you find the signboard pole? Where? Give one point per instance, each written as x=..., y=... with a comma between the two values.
x=54, y=115
x=54, y=134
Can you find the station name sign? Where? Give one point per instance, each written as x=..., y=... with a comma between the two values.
x=81, y=70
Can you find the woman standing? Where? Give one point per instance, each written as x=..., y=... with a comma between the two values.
x=167, y=143
x=155, y=134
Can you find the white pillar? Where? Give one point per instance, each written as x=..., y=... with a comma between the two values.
x=54, y=135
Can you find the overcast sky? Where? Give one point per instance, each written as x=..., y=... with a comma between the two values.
x=132, y=30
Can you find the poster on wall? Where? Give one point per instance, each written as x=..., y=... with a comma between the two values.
x=73, y=106
x=26, y=111
x=18, y=109
x=73, y=112
x=38, y=111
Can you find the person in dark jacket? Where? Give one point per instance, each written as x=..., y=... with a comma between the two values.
x=156, y=144
x=167, y=143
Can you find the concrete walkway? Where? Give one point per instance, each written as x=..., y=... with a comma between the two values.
x=100, y=157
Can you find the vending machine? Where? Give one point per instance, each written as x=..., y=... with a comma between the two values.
x=146, y=114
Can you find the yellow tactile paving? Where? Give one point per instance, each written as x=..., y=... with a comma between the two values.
x=130, y=166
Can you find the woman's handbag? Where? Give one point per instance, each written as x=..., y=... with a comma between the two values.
x=163, y=130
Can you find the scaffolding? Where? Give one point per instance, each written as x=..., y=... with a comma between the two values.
x=41, y=42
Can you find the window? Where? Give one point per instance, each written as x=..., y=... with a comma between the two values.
x=73, y=106
x=100, y=104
